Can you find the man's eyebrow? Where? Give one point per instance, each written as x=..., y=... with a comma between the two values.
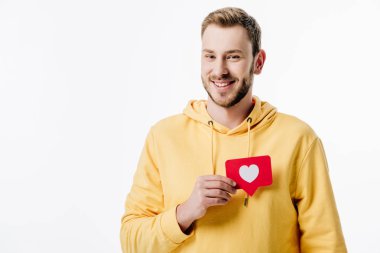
x=234, y=51
x=228, y=52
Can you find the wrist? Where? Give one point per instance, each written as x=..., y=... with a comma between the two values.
x=184, y=218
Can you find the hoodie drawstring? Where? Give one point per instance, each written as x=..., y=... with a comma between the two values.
x=249, y=121
x=211, y=124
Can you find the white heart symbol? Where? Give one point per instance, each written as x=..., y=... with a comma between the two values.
x=250, y=173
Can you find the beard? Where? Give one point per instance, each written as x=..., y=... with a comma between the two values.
x=231, y=97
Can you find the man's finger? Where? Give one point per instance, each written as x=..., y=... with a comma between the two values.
x=219, y=185
x=220, y=178
x=217, y=193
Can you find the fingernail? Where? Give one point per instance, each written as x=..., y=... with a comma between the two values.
x=234, y=183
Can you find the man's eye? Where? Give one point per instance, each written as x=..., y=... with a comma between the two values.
x=233, y=57
x=210, y=56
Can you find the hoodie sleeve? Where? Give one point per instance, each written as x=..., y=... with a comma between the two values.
x=147, y=225
x=317, y=212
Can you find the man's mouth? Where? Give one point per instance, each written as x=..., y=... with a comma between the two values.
x=223, y=83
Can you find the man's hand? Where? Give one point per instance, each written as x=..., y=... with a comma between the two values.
x=211, y=190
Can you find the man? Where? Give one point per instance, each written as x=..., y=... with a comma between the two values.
x=181, y=199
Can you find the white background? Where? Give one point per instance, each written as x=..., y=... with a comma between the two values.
x=82, y=81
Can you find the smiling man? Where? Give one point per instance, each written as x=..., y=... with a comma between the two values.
x=181, y=199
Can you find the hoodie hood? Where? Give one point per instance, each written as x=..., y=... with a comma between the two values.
x=261, y=114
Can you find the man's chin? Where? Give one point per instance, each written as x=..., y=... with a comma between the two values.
x=225, y=103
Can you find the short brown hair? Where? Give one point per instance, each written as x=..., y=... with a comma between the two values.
x=230, y=16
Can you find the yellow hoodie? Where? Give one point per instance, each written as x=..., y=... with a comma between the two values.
x=297, y=213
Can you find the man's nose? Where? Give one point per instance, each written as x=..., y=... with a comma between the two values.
x=220, y=68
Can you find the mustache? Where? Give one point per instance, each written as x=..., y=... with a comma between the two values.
x=222, y=78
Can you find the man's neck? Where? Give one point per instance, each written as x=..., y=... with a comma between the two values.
x=232, y=116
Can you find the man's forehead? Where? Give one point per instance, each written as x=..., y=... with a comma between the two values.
x=223, y=39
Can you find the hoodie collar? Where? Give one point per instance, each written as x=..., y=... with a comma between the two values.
x=261, y=113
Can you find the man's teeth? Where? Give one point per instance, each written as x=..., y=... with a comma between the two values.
x=223, y=84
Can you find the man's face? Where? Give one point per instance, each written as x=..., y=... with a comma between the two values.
x=227, y=64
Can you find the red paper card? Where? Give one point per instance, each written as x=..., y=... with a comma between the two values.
x=250, y=173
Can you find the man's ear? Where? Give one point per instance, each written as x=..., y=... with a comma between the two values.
x=258, y=62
